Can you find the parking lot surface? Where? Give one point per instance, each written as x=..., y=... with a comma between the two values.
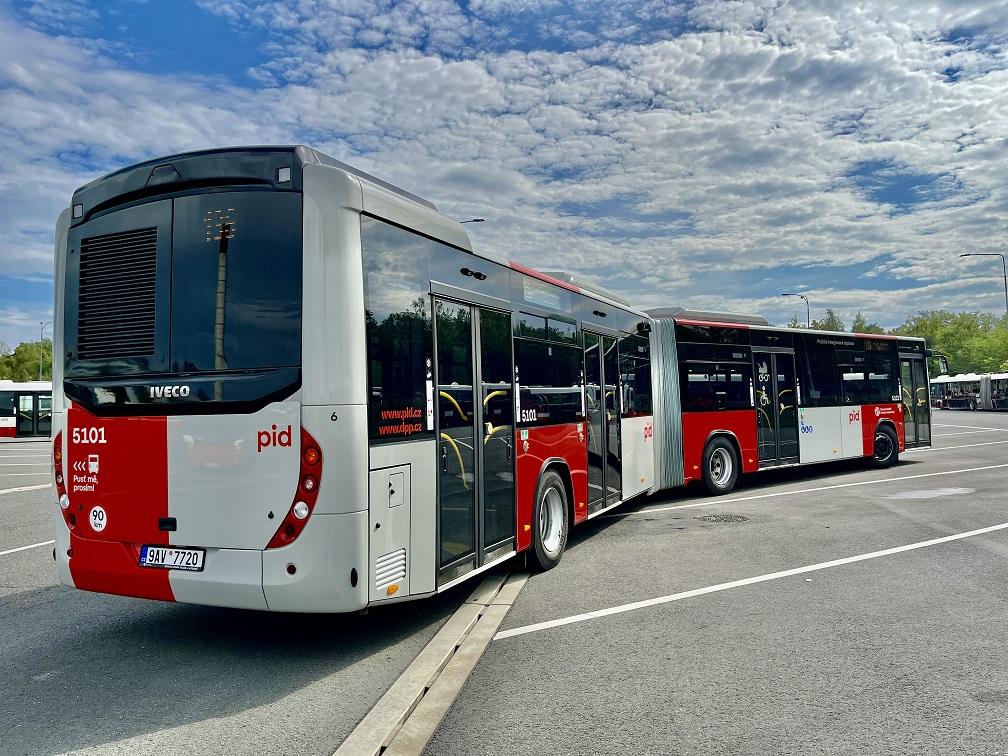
x=894, y=653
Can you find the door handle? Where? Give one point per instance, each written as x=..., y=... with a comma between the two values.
x=508, y=442
x=444, y=459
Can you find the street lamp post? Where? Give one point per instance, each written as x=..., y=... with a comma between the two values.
x=474, y=220
x=1004, y=269
x=42, y=325
x=808, y=311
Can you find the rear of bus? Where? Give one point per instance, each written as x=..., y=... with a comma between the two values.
x=190, y=461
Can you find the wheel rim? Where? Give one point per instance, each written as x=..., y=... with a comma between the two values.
x=551, y=520
x=883, y=447
x=720, y=467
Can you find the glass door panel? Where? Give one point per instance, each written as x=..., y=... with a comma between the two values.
x=26, y=415
x=456, y=435
x=496, y=375
x=595, y=411
x=610, y=375
x=766, y=415
x=922, y=403
x=787, y=408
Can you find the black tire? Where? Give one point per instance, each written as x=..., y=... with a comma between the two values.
x=886, y=448
x=550, y=522
x=720, y=467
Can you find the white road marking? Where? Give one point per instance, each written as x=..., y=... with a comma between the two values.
x=25, y=548
x=23, y=456
x=25, y=488
x=773, y=494
x=970, y=432
x=11, y=475
x=24, y=464
x=524, y=630
x=929, y=493
x=974, y=427
x=946, y=448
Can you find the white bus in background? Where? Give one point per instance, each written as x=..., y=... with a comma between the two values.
x=25, y=409
x=970, y=391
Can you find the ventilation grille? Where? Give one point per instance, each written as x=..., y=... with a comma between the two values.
x=115, y=315
x=390, y=568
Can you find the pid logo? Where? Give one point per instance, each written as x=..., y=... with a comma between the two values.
x=878, y=411
x=267, y=438
x=854, y=417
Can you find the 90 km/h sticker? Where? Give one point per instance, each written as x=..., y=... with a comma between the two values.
x=98, y=519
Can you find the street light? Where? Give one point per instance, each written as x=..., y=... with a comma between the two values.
x=474, y=220
x=808, y=312
x=42, y=325
x=1004, y=269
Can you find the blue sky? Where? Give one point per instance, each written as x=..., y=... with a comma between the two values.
x=709, y=154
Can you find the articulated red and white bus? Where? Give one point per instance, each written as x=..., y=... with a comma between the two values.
x=288, y=385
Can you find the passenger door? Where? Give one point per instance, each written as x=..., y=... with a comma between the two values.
x=776, y=408
x=602, y=406
x=475, y=426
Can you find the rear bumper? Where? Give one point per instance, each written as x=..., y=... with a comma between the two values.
x=328, y=551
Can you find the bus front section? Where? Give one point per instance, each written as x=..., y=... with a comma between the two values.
x=187, y=465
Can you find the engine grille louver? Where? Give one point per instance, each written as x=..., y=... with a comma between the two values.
x=115, y=314
x=390, y=568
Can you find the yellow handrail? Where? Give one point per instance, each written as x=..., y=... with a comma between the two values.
x=492, y=394
x=458, y=455
x=493, y=431
x=450, y=398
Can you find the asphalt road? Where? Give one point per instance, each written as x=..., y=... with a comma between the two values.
x=903, y=653
x=109, y=675
x=896, y=654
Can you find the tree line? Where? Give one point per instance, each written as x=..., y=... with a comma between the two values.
x=974, y=342
x=22, y=362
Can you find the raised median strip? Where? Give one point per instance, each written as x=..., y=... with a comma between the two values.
x=404, y=719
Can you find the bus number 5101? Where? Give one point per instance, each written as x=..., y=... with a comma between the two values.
x=88, y=435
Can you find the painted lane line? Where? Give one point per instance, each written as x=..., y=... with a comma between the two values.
x=12, y=475
x=946, y=448
x=620, y=609
x=24, y=464
x=974, y=427
x=970, y=432
x=774, y=494
x=25, y=488
x=25, y=548
x=24, y=456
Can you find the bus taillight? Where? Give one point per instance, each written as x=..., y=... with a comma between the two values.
x=309, y=481
x=61, y=494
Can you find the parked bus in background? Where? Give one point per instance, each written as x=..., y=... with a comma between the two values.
x=288, y=385
x=25, y=409
x=971, y=391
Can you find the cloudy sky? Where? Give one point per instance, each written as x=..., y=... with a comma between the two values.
x=704, y=154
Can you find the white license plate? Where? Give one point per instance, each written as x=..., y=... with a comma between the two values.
x=171, y=558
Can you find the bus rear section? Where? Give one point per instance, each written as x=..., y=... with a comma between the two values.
x=184, y=463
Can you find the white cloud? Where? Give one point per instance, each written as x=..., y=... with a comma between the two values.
x=718, y=137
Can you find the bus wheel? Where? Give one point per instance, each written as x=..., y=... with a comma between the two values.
x=720, y=467
x=549, y=521
x=886, y=447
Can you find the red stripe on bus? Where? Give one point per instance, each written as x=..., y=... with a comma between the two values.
x=698, y=427
x=119, y=464
x=543, y=277
x=535, y=446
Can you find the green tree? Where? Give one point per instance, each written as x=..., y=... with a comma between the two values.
x=795, y=323
x=22, y=364
x=831, y=322
x=975, y=342
x=861, y=325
